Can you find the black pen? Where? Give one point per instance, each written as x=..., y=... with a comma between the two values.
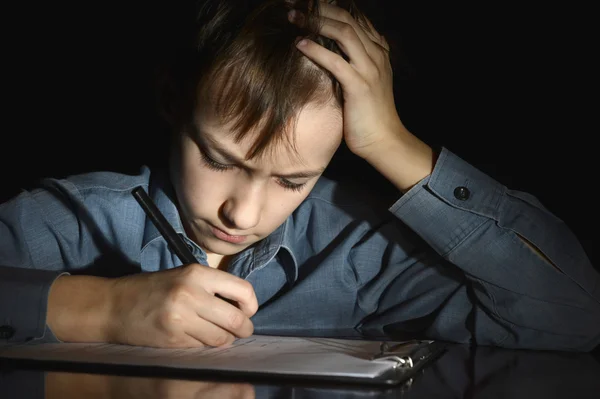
x=173, y=239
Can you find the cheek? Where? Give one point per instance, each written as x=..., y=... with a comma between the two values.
x=201, y=190
x=280, y=205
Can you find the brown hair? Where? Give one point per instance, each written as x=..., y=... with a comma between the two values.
x=243, y=57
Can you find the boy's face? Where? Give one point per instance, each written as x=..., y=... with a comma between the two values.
x=228, y=203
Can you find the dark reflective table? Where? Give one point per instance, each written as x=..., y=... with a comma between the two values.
x=461, y=372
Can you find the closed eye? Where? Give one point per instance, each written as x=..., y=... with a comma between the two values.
x=288, y=185
x=214, y=165
x=221, y=167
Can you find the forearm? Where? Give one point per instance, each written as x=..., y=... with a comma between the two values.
x=79, y=309
x=405, y=160
x=528, y=269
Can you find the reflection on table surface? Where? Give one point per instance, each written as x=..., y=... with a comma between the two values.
x=462, y=372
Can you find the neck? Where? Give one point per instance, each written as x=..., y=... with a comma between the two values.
x=217, y=261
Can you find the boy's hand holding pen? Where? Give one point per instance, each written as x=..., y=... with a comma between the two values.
x=173, y=239
x=178, y=308
x=192, y=305
x=185, y=307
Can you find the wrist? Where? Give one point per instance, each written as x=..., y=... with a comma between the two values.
x=401, y=157
x=393, y=140
x=80, y=308
x=395, y=134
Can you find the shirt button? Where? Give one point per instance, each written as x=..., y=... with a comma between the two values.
x=462, y=193
x=6, y=332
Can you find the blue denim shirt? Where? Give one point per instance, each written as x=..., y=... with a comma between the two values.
x=452, y=259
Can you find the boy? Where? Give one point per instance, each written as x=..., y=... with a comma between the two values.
x=258, y=116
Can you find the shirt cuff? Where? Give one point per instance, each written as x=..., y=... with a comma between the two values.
x=24, y=304
x=446, y=206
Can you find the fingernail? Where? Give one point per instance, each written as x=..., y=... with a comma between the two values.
x=302, y=43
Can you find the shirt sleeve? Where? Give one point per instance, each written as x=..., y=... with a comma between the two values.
x=526, y=275
x=41, y=236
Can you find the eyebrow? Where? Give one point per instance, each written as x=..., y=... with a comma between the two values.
x=233, y=159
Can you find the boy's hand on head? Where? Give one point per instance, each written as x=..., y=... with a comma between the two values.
x=372, y=127
x=177, y=308
x=370, y=114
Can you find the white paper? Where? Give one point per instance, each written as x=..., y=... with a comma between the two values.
x=302, y=356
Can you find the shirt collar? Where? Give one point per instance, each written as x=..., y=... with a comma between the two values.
x=277, y=244
x=272, y=246
x=162, y=193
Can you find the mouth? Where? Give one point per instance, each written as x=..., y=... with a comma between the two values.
x=224, y=236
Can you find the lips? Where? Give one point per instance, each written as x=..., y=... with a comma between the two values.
x=223, y=236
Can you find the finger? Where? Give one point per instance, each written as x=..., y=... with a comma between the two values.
x=298, y=18
x=375, y=36
x=347, y=38
x=179, y=338
x=199, y=327
x=183, y=328
x=331, y=61
x=224, y=316
x=218, y=282
x=368, y=37
x=385, y=44
x=207, y=332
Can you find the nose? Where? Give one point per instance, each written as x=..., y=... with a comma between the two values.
x=243, y=207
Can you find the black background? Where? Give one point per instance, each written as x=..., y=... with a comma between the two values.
x=509, y=88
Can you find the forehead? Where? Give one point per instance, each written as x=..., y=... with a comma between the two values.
x=310, y=138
